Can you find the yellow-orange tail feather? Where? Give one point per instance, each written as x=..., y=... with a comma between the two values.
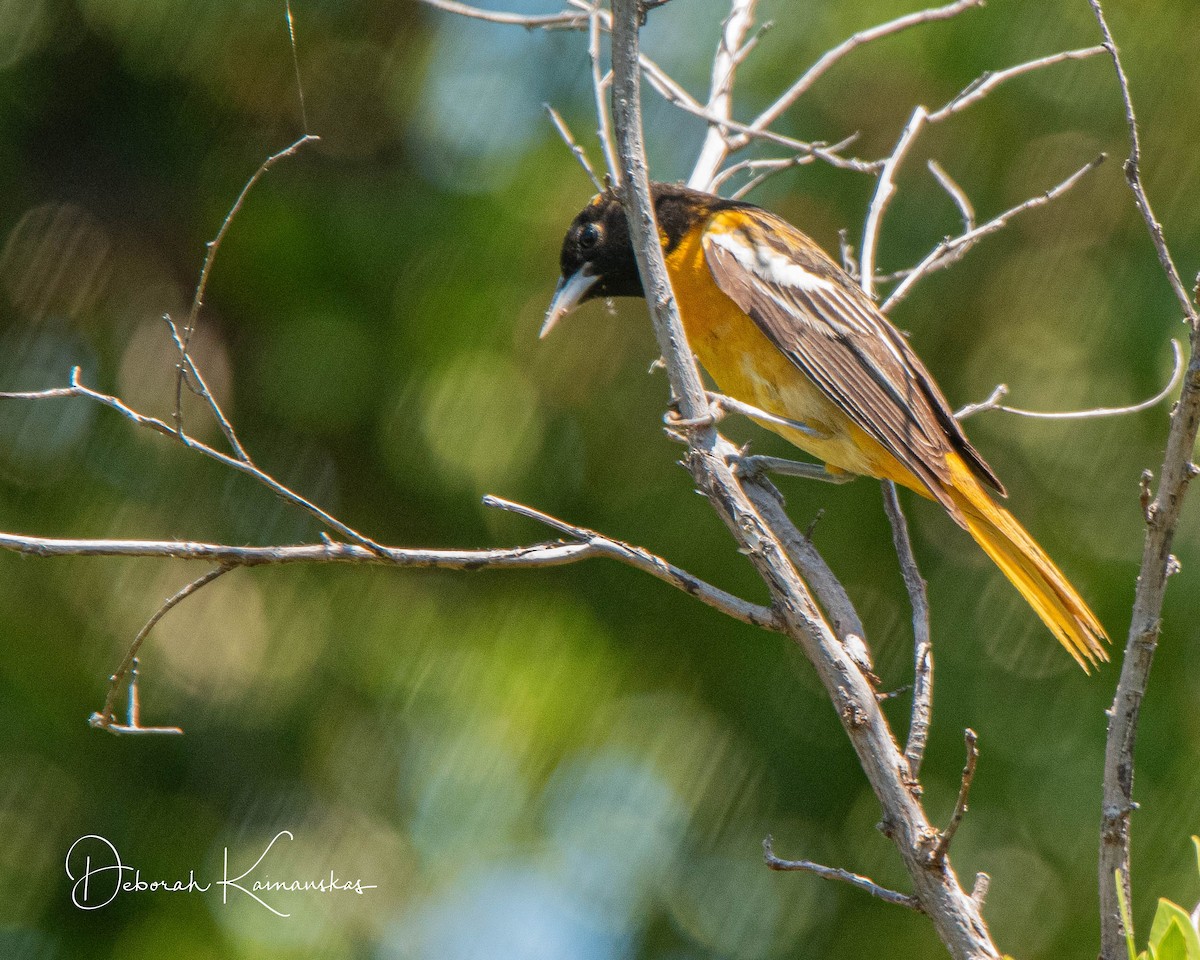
x=1028, y=567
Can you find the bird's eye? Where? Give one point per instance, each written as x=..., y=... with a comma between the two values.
x=589, y=236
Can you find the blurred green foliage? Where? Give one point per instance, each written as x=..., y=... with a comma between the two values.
x=575, y=762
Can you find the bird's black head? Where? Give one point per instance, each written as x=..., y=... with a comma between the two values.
x=597, y=256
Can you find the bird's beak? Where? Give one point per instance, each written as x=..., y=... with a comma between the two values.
x=570, y=292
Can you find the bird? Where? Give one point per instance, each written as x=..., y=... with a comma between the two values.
x=780, y=326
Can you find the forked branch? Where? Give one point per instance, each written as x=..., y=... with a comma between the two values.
x=954, y=914
x=1162, y=511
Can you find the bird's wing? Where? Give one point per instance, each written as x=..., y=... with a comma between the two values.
x=822, y=321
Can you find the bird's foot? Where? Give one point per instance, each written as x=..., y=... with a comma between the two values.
x=751, y=466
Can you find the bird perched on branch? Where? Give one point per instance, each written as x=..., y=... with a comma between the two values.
x=781, y=327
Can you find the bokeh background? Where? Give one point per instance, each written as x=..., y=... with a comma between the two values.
x=579, y=762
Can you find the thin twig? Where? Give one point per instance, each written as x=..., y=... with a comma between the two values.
x=189, y=328
x=770, y=163
x=846, y=251
x=957, y=194
x=671, y=91
x=885, y=189
x=649, y=563
x=979, y=891
x=193, y=376
x=215, y=244
x=77, y=389
x=1133, y=174
x=985, y=84
x=568, y=138
x=1001, y=391
x=291, y=25
x=673, y=94
x=547, y=21
x=914, y=583
x=738, y=134
x=960, y=805
x=953, y=249
x=106, y=718
x=749, y=46
x=720, y=99
x=133, y=723
x=770, y=167
x=802, y=85
x=844, y=876
x=600, y=84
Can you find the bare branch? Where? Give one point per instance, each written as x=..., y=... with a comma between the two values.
x=830, y=594
x=687, y=386
x=674, y=94
x=749, y=46
x=988, y=82
x=671, y=91
x=955, y=916
x=77, y=389
x=189, y=328
x=565, y=132
x=590, y=544
x=1162, y=520
x=538, y=555
x=802, y=85
x=770, y=166
x=772, y=163
x=885, y=189
x=649, y=563
x=1133, y=174
x=957, y=194
x=914, y=583
x=600, y=84
x=548, y=21
x=964, y=791
x=846, y=250
x=953, y=249
x=190, y=372
x=843, y=876
x=106, y=718
x=755, y=182
x=215, y=244
x=133, y=723
x=1001, y=391
x=720, y=100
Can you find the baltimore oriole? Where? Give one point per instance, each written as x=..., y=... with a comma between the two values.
x=779, y=325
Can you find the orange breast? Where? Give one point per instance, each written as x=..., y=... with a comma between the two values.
x=747, y=366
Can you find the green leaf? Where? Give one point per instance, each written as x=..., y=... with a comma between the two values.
x=1196, y=843
x=1168, y=916
x=1173, y=945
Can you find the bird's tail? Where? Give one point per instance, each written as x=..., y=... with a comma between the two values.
x=1026, y=565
